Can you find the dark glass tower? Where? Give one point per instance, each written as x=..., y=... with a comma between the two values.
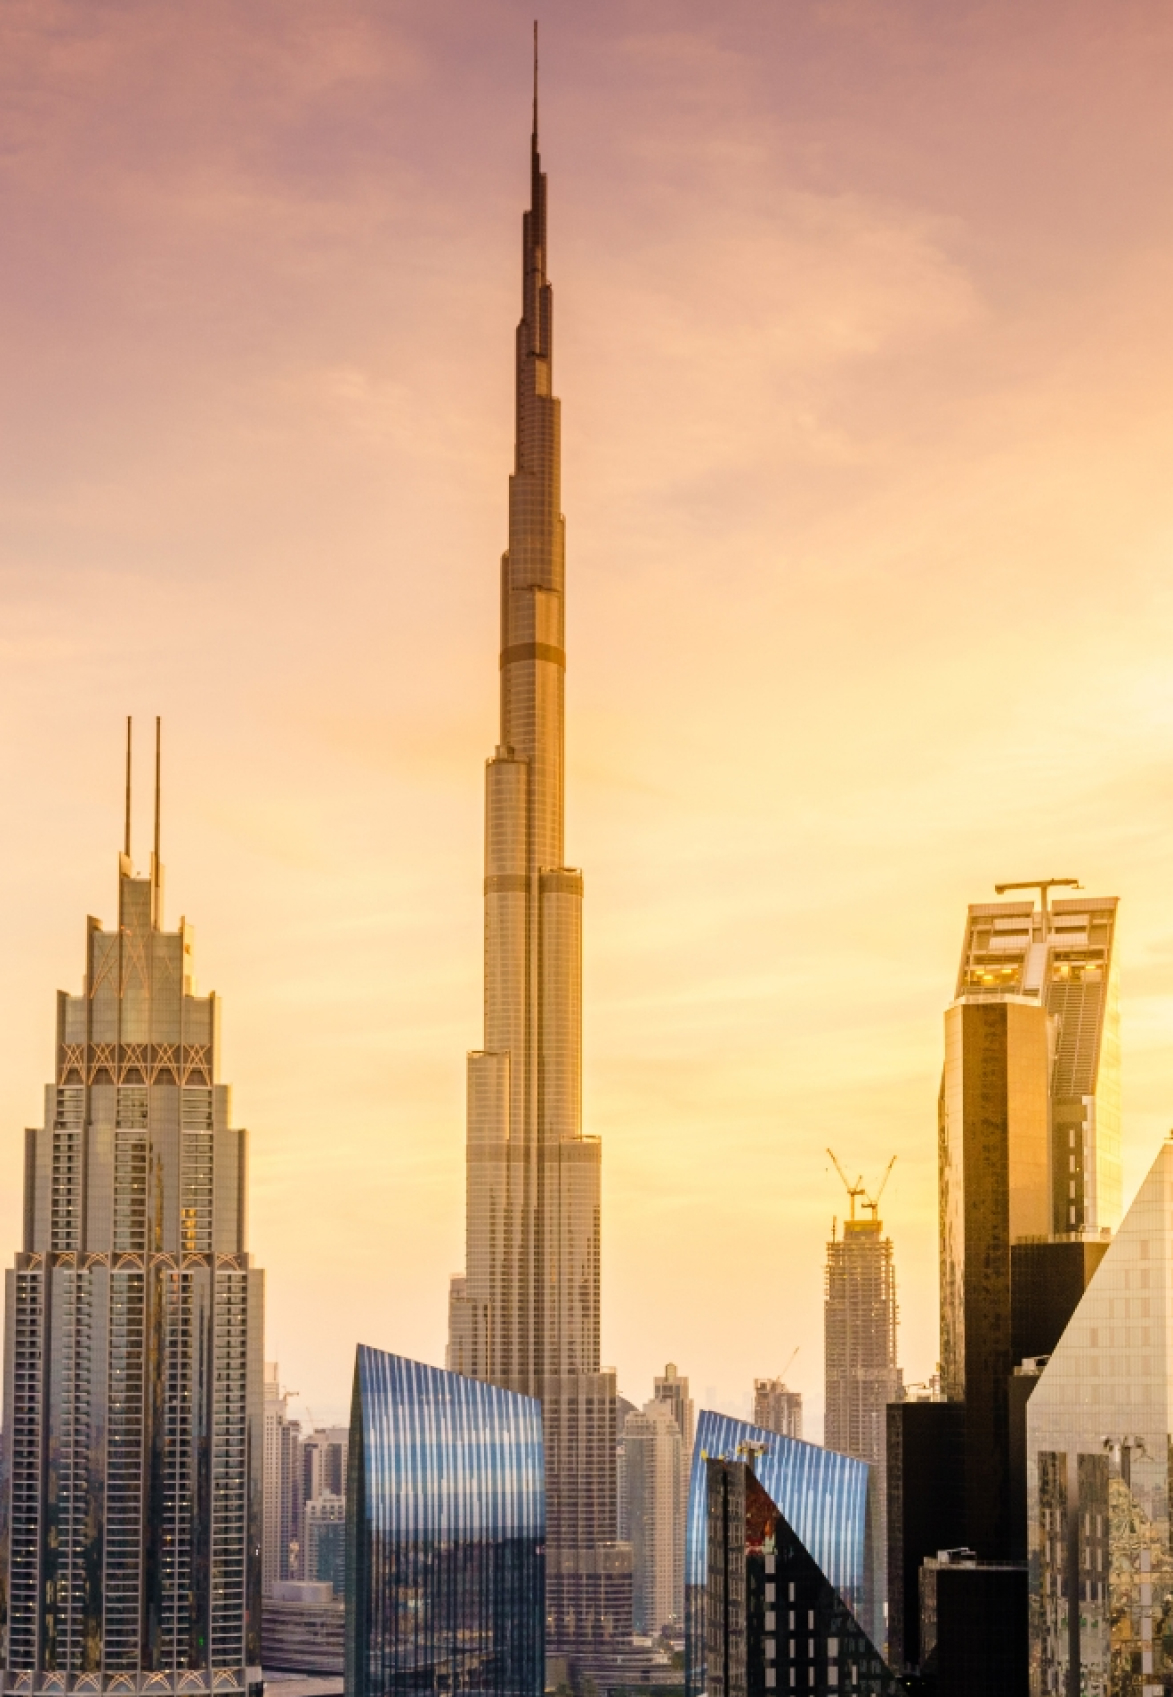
x=773, y=1621
x=132, y=1392
x=822, y=1495
x=525, y=1313
x=445, y=1529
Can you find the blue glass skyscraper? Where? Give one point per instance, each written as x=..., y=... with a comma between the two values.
x=823, y=1496
x=446, y=1526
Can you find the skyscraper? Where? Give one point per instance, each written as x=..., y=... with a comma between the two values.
x=132, y=1392
x=1061, y=956
x=1029, y=1163
x=284, y=1537
x=776, y=1408
x=445, y=1532
x=823, y=1497
x=671, y=1387
x=862, y=1378
x=525, y=1313
x=655, y=1470
x=773, y=1620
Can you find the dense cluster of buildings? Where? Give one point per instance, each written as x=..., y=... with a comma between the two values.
x=509, y=1523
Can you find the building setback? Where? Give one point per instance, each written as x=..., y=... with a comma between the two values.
x=133, y=1338
x=524, y=1314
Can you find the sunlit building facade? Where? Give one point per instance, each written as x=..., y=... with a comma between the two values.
x=1029, y=1165
x=1061, y=956
x=133, y=1338
x=654, y=1468
x=446, y=1523
x=524, y=1314
x=822, y=1495
x=1099, y=1441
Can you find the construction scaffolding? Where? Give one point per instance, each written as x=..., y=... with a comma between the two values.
x=861, y=1376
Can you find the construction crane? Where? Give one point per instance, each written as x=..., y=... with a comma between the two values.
x=790, y=1363
x=857, y=1189
x=1042, y=885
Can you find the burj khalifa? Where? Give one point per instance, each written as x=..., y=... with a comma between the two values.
x=525, y=1314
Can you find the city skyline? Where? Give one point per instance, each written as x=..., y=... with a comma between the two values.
x=742, y=949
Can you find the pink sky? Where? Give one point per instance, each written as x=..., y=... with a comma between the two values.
x=864, y=341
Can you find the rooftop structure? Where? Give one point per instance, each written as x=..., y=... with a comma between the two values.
x=1061, y=955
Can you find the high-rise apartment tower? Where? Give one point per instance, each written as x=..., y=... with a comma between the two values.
x=132, y=1391
x=777, y=1407
x=525, y=1313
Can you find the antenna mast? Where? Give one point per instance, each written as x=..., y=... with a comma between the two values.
x=126, y=836
x=156, y=863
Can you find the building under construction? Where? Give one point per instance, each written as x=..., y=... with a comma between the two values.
x=862, y=1378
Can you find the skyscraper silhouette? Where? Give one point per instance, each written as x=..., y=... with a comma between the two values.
x=525, y=1314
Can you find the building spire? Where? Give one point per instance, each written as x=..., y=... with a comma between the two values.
x=126, y=836
x=535, y=85
x=156, y=861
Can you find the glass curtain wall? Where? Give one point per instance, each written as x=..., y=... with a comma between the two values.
x=446, y=1526
x=822, y=1495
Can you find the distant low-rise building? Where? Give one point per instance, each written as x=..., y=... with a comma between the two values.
x=304, y=1628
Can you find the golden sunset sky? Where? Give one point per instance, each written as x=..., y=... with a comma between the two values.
x=864, y=338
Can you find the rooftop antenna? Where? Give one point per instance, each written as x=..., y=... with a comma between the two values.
x=156, y=864
x=126, y=839
x=1042, y=885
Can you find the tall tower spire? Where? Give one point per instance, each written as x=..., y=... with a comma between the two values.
x=525, y=1315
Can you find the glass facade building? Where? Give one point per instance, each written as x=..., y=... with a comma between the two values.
x=1099, y=1443
x=822, y=1495
x=446, y=1527
x=1029, y=1167
x=133, y=1336
x=524, y=1313
x=773, y=1621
